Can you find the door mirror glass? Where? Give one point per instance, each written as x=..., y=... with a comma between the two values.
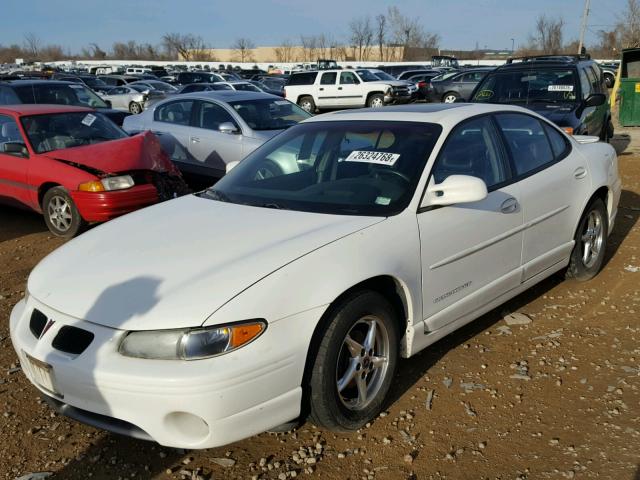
x=229, y=128
x=455, y=189
x=595, y=100
x=15, y=148
x=108, y=102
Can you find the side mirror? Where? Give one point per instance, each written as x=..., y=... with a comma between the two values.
x=232, y=165
x=455, y=189
x=595, y=100
x=229, y=128
x=16, y=148
x=108, y=102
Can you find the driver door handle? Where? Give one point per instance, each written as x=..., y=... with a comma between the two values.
x=510, y=205
x=339, y=88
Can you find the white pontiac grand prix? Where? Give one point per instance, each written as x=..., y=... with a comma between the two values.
x=296, y=282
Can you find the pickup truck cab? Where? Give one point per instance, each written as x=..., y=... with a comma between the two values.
x=330, y=89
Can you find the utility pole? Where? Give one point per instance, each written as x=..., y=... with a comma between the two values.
x=512, y=45
x=583, y=27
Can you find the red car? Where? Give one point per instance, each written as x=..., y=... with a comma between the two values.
x=76, y=166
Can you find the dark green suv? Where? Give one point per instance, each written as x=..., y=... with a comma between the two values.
x=569, y=90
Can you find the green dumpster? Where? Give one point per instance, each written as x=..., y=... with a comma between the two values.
x=629, y=91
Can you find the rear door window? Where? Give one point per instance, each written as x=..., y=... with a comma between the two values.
x=328, y=78
x=527, y=141
x=177, y=113
x=306, y=78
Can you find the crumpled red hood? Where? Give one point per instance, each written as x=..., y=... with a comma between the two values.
x=140, y=152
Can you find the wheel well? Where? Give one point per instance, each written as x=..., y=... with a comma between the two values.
x=450, y=92
x=371, y=94
x=43, y=189
x=603, y=194
x=300, y=97
x=388, y=287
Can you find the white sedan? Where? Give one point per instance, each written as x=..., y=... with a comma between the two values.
x=216, y=316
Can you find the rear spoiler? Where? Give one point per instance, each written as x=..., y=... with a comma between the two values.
x=584, y=139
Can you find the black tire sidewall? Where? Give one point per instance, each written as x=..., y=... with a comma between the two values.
x=312, y=104
x=326, y=407
x=577, y=269
x=76, y=220
x=372, y=97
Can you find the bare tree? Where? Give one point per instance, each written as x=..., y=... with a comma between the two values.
x=361, y=36
x=407, y=32
x=549, y=34
x=309, y=47
x=629, y=25
x=32, y=45
x=285, y=52
x=242, y=49
x=381, y=34
x=186, y=47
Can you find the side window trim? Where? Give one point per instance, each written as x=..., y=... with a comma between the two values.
x=514, y=176
x=502, y=153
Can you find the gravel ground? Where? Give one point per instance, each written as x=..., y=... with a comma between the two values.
x=551, y=391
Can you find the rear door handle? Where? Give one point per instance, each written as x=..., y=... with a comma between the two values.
x=580, y=172
x=195, y=139
x=339, y=88
x=510, y=205
x=321, y=89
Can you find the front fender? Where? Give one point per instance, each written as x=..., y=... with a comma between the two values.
x=391, y=248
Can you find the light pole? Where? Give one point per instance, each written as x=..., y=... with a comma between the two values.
x=513, y=42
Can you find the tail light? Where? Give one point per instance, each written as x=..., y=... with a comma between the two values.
x=422, y=84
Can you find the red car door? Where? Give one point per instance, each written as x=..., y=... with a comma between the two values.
x=14, y=187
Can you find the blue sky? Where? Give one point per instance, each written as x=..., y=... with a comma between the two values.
x=491, y=23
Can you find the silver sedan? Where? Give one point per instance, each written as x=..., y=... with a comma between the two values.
x=204, y=131
x=126, y=98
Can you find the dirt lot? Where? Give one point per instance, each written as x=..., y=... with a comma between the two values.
x=556, y=398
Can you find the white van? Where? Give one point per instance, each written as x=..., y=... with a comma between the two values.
x=138, y=70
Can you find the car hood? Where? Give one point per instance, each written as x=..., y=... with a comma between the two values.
x=116, y=116
x=561, y=115
x=174, y=264
x=392, y=83
x=140, y=152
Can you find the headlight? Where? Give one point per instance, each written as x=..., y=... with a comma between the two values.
x=191, y=344
x=108, y=184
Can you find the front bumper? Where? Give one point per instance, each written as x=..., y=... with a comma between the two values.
x=103, y=206
x=397, y=99
x=184, y=404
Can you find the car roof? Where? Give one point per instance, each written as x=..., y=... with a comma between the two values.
x=41, y=109
x=40, y=82
x=225, y=95
x=442, y=113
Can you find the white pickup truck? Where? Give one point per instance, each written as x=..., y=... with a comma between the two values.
x=329, y=89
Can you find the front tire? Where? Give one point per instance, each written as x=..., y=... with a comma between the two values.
x=375, y=101
x=355, y=364
x=588, y=253
x=61, y=214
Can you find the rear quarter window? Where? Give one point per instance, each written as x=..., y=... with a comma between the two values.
x=307, y=78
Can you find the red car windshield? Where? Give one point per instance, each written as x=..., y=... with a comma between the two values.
x=57, y=131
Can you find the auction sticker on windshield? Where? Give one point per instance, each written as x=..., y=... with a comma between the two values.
x=560, y=88
x=88, y=119
x=381, y=158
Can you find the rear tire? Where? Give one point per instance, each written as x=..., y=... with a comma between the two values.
x=607, y=132
x=609, y=80
x=450, y=97
x=60, y=213
x=590, y=246
x=356, y=360
x=307, y=104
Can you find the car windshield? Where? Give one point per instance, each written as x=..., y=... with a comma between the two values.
x=269, y=113
x=384, y=76
x=528, y=86
x=60, y=94
x=163, y=87
x=56, y=131
x=336, y=167
x=367, y=76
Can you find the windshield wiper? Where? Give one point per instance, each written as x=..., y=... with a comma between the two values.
x=274, y=205
x=216, y=195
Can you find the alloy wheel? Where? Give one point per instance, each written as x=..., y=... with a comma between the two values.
x=362, y=363
x=592, y=239
x=59, y=212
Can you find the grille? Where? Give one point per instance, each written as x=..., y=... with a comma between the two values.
x=37, y=322
x=72, y=340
